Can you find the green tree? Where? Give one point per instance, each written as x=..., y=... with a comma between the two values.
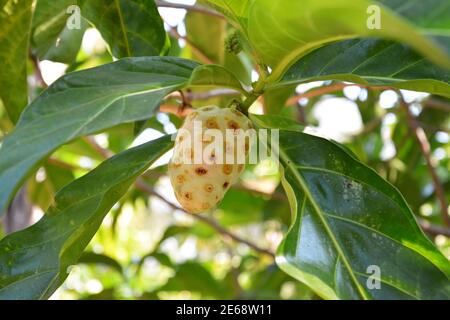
x=365, y=217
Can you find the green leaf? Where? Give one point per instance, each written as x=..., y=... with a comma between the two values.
x=85, y=102
x=15, y=19
x=275, y=100
x=51, y=38
x=215, y=75
x=283, y=31
x=431, y=17
x=237, y=10
x=381, y=62
x=130, y=27
x=370, y=62
x=346, y=218
x=92, y=100
x=34, y=262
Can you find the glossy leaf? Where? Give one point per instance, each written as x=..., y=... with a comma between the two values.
x=236, y=10
x=34, y=262
x=370, y=62
x=130, y=27
x=283, y=31
x=51, y=38
x=381, y=62
x=88, y=101
x=214, y=75
x=15, y=19
x=347, y=220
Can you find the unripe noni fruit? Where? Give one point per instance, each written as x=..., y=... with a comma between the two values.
x=203, y=167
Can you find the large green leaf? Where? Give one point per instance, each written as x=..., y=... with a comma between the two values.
x=88, y=101
x=346, y=218
x=236, y=10
x=15, y=22
x=283, y=31
x=34, y=262
x=381, y=62
x=370, y=62
x=213, y=76
x=51, y=38
x=130, y=27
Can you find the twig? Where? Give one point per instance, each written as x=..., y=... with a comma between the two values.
x=214, y=224
x=105, y=153
x=436, y=104
x=206, y=94
x=201, y=56
x=37, y=71
x=426, y=151
x=191, y=96
x=329, y=89
x=432, y=128
x=370, y=126
x=174, y=109
x=201, y=9
x=62, y=164
x=433, y=229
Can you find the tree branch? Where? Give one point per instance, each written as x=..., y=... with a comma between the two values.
x=37, y=71
x=433, y=229
x=329, y=89
x=425, y=148
x=206, y=95
x=105, y=153
x=211, y=222
x=201, y=56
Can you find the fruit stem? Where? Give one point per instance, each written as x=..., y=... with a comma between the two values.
x=258, y=90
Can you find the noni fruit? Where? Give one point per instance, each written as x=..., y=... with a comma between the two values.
x=209, y=156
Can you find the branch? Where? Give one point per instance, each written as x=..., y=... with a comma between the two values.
x=175, y=109
x=181, y=111
x=105, y=153
x=436, y=104
x=433, y=229
x=201, y=56
x=197, y=8
x=61, y=164
x=329, y=89
x=37, y=70
x=206, y=95
x=211, y=222
x=426, y=151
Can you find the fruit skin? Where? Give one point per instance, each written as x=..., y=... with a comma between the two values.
x=200, y=187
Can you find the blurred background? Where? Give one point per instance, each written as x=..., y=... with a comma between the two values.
x=149, y=249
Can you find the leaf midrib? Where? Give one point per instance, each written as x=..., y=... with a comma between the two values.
x=301, y=181
x=122, y=25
